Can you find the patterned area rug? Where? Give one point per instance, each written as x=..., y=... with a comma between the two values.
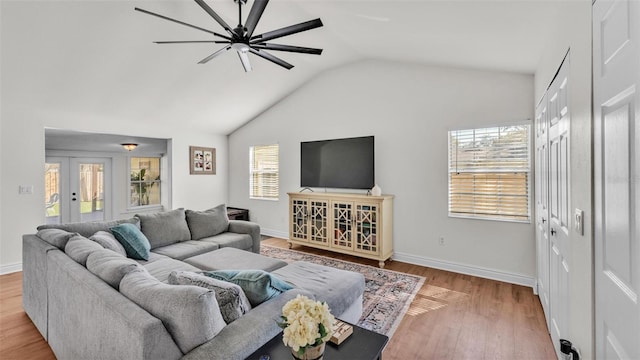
x=387, y=294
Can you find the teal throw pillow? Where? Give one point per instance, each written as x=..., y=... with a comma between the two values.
x=258, y=285
x=133, y=240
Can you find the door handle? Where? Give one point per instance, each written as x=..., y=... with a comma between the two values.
x=544, y=220
x=553, y=231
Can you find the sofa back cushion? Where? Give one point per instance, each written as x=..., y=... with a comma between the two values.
x=55, y=237
x=164, y=228
x=134, y=242
x=231, y=299
x=108, y=241
x=79, y=248
x=190, y=313
x=207, y=223
x=109, y=266
x=87, y=229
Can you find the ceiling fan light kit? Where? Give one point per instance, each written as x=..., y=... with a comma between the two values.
x=241, y=38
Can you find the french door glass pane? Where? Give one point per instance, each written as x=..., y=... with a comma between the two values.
x=91, y=192
x=52, y=193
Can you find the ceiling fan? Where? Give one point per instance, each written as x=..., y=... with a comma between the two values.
x=241, y=37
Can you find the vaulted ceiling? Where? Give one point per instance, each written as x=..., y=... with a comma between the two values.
x=96, y=60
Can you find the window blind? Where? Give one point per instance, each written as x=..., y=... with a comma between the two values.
x=264, y=179
x=489, y=173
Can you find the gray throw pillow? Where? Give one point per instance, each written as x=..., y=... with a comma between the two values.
x=108, y=241
x=133, y=240
x=55, y=237
x=164, y=228
x=232, y=301
x=207, y=223
x=109, y=266
x=79, y=248
x=258, y=285
x=190, y=313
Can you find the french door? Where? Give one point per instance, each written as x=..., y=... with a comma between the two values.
x=77, y=189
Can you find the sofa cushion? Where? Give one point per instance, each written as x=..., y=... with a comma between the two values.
x=229, y=239
x=185, y=249
x=207, y=223
x=87, y=229
x=79, y=248
x=190, y=313
x=55, y=237
x=152, y=258
x=135, y=243
x=231, y=299
x=258, y=285
x=164, y=228
x=109, y=266
x=161, y=268
x=108, y=241
x=234, y=259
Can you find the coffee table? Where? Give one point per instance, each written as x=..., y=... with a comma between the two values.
x=363, y=344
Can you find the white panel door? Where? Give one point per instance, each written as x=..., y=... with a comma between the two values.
x=559, y=245
x=616, y=81
x=542, y=204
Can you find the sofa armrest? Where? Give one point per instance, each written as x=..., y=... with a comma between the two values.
x=246, y=227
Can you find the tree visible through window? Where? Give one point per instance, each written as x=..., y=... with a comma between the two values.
x=489, y=173
x=263, y=172
x=144, y=181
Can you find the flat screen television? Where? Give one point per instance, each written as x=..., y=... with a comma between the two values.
x=338, y=163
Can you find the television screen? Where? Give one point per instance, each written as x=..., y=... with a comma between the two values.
x=339, y=163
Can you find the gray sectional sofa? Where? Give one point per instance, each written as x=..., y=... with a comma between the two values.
x=89, y=301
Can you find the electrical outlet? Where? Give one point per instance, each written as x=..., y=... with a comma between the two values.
x=441, y=241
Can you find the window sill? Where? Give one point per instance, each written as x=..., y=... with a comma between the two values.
x=489, y=218
x=148, y=208
x=260, y=198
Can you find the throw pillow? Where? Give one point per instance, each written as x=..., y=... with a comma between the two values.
x=164, y=228
x=109, y=266
x=207, y=223
x=258, y=285
x=108, y=241
x=231, y=299
x=55, y=237
x=133, y=240
x=190, y=313
x=79, y=248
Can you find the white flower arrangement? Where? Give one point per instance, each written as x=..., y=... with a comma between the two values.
x=306, y=323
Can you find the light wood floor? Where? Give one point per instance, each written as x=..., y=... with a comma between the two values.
x=453, y=316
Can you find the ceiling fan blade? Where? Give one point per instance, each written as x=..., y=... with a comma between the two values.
x=244, y=58
x=182, y=23
x=289, y=30
x=289, y=48
x=213, y=14
x=190, y=42
x=206, y=60
x=265, y=55
x=254, y=16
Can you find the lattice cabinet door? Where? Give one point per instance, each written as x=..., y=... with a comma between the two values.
x=366, y=231
x=342, y=217
x=299, y=219
x=319, y=221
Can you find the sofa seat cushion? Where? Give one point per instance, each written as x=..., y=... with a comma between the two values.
x=152, y=258
x=79, y=248
x=164, y=228
x=190, y=313
x=234, y=259
x=161, y=268
x=229, y=239
x=231, y=299
x=109, y=266
x=338, y=288
x=207, y=223
x=185, y=249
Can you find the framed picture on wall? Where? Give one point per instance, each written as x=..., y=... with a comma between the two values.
x=202, y=160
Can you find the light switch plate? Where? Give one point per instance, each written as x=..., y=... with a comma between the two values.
x=578, y=221
x=25, y=189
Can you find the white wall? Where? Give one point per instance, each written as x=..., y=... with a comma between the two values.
x=574, y=32
x=408, y=108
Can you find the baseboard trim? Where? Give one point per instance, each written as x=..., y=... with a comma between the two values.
x=11, y=268
x=274, y=233
x=466, y=269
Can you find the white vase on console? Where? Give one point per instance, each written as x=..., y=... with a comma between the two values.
x=376, y=190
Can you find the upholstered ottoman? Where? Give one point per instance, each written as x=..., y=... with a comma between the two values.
x=342, y=290
x=234, y=259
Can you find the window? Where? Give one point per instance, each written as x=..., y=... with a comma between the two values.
x=144, y=181
x=489, y=173
x=263, y=168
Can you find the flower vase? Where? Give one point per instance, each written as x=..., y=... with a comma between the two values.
x=310, y=353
